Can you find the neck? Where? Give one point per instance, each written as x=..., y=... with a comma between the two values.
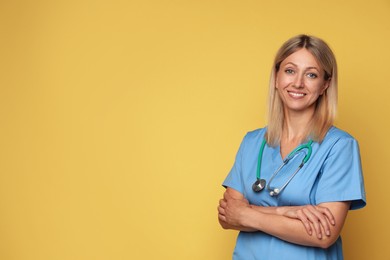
x=295, y=126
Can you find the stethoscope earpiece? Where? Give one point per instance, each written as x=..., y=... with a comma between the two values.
x=274, y=192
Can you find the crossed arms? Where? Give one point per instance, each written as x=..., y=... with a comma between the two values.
x=309, y=225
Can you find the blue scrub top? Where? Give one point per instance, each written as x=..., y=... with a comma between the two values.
x=333, y=173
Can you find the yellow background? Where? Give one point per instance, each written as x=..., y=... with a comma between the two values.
x=120, y=119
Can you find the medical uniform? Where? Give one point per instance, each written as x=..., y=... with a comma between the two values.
x=333, y=173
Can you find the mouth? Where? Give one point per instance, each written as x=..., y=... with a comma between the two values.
x=296, y=94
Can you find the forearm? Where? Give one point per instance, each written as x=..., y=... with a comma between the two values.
x=271, y=221
x=226, y=225
x=273, y=210
x=265, y=210
x=268, y=209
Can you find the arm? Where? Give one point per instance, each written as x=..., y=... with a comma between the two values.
x=312, y=217
x=281, y=222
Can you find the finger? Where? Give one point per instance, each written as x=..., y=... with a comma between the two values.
x=222, y=203
x=328, y=214
x=222, y=217
x=314, y=221
x=221, y=210
x=325, y=224
x=302, y=217
x=322, y=218
x=226, y=196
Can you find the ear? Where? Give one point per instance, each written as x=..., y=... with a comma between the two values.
x=326, y=86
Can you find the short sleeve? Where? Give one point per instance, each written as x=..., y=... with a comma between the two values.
x=234, y=178
x=341, y=176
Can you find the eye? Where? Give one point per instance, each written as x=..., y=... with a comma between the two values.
x=289, y=71
x=312, y=75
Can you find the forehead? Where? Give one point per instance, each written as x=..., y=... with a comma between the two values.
x=302, y=58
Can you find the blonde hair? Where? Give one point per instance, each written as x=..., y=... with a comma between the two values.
x=326, y=104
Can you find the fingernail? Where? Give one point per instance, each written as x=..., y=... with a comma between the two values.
x=327, y=233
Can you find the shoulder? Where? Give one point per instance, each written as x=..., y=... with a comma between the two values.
x=339, y=140
x=252, y=139
x=255, y=135
x=335, y=135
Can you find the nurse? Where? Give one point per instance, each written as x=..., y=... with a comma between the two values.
x=303, y=219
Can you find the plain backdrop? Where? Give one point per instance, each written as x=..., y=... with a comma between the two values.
x=120, y=119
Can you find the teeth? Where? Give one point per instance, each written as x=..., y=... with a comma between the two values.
x=296, y=94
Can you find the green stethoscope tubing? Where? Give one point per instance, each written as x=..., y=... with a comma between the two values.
x=276, y=191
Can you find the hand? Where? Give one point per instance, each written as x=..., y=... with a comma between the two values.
x=311, y=216
x=230, y=211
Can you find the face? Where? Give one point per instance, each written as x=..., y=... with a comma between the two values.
x=300, y=81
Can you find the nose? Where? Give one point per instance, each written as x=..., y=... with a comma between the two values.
x=298, y=80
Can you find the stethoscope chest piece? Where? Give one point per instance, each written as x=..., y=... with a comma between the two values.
x=259, y=185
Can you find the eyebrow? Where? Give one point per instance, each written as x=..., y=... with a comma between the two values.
x=305, y=68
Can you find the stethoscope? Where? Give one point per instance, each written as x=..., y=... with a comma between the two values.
x=261, y=183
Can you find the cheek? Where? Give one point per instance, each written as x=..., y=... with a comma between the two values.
x=321, y=89
x=281, y=81
x=277, y=81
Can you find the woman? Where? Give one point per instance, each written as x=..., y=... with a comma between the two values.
x=298, y=211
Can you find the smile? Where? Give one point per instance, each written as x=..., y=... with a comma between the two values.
x=294, y=94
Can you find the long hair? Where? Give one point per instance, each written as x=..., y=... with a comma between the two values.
x=326, y=104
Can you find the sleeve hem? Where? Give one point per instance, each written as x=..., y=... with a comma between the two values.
x=231, y=185
x=357, y=201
